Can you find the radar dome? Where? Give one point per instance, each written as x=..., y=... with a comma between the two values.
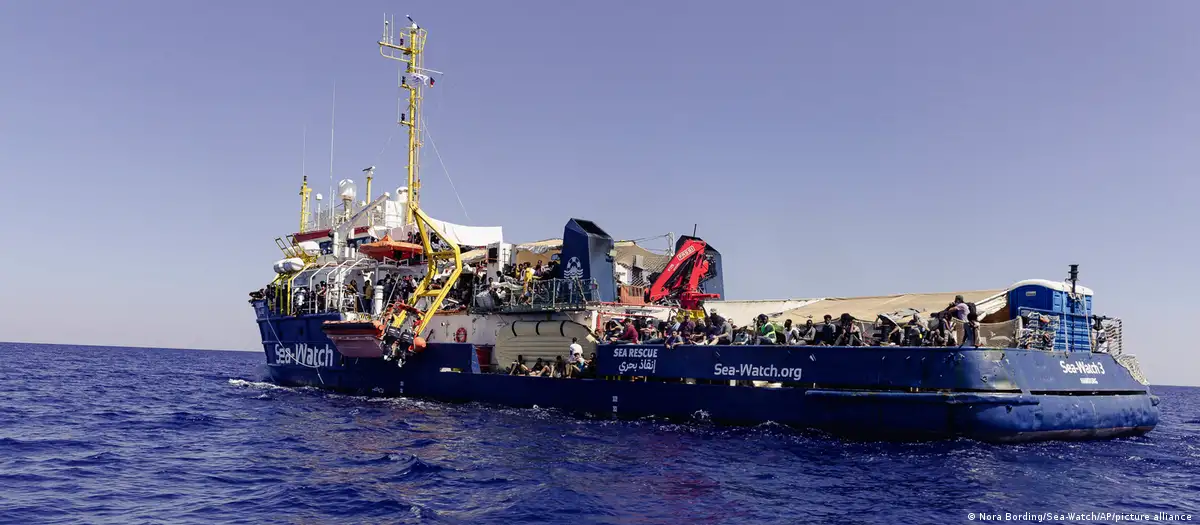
x=347, y=189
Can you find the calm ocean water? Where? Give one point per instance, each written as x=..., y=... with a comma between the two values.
x=122, y=435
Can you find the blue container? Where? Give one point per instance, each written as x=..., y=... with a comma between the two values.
x=1072, y=311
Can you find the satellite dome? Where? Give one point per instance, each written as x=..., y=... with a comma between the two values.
x=347, y=190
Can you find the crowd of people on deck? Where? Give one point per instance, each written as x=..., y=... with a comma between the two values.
x=516, y=284
x=713, y=329
x=502, y=287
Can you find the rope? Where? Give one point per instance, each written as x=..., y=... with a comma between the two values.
x=385, y=146
x=446, y=171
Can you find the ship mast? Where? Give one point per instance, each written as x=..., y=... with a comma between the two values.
x=444, y=262
x=304, y=192
x=409, y=48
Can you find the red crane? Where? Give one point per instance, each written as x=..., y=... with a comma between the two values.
x=680, y=280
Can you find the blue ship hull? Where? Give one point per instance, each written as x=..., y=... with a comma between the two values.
x=999, y=395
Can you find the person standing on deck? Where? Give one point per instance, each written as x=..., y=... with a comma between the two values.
x=958, y=312
x=575, y=360
x=971, y=331
x=352, y=298
x=959, y=309
x=368, y=294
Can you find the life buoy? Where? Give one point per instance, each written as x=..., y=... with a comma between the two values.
x=460, y=335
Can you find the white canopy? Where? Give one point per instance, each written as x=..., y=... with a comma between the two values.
x=461, y=235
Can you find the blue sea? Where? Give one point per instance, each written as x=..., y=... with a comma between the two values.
x=125, y=435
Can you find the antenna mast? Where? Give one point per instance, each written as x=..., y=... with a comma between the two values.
x=332, y=123
x=304, y=189
x=409, y=48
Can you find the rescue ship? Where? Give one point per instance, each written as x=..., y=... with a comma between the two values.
x=1037, y=363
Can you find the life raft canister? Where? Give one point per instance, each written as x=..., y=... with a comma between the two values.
x=460, y=335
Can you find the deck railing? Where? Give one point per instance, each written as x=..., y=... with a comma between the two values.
x=538, y=295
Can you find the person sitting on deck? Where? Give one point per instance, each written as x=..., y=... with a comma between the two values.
x=630, y=334
x=943, y=332
x=699, y=333
x=672, y=339
x=518, y=367
x=850, y=333
x=890, y=333
x=612, y=331
x=589, y=370
x=540, y=369
x=687, y=327
x=575, y=364
x=828, y=332
x=719, y=333
x=914, y=332
x=741, y=336
x=936, y=335
x=808, y=334
x=560, y=367
x=675, y=320
x=791, y=334
x=646, y=331
x=768, y=333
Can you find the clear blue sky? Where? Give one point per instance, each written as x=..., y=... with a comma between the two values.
x=151, y=151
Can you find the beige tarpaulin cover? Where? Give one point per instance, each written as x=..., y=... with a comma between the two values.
x=868, y=308
x=627, y=252
x=474, y=256
x=532, y=252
